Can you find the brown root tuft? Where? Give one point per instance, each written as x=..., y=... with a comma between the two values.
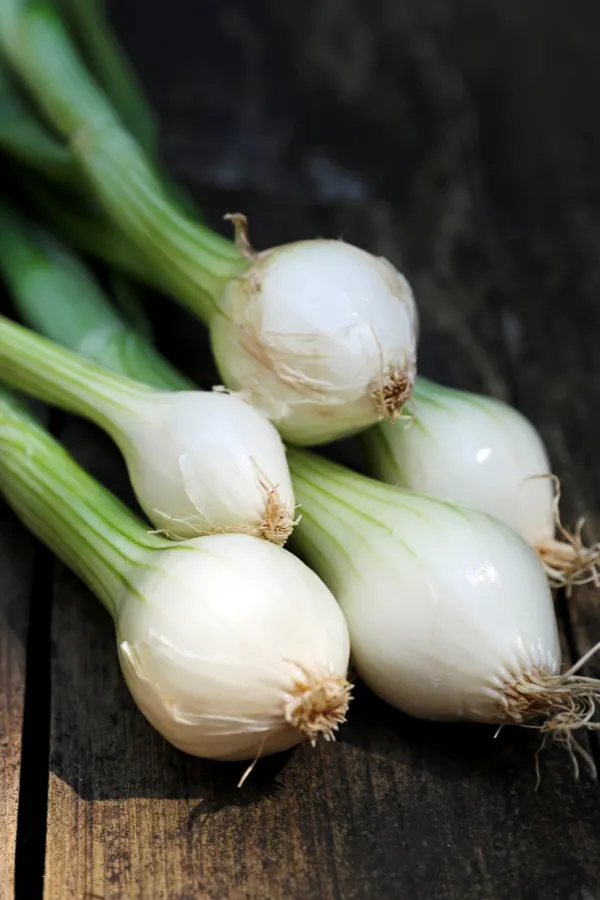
x=557, y=706
x=317, y=706
x=567, y=561
x=277, y=523
x=392, y=392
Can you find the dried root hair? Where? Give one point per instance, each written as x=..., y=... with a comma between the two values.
x=240, y=234
x=276, y=525
x=392, y=389
x=557, y=706
x=567, y=561
x=317, y=705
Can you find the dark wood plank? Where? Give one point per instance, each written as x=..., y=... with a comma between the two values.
x=416, y=130
x=17, y=552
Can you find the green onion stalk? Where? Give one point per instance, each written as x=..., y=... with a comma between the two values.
x=112, y=68
x=320, y=335
x=24, y=137
x=120, y=81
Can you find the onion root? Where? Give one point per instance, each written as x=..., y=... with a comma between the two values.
x=317, y=706
x=567, y=561
x=557, y=706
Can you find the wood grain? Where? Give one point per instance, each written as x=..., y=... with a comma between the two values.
x=17, y=555
x=436, y=135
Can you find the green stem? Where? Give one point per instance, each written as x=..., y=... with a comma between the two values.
x=89, y=233
x=57, y=295
x=26, y=139
x=328, y=513
x=112, y=68
x=81, y=522
x=117, y=77
x=43, y=370
x=194, y=263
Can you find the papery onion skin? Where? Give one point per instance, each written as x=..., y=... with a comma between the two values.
x=221, y=466
x=321, y=336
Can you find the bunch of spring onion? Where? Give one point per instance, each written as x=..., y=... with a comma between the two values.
x=319, y=335
x=482, y=453
x=199, y=461
x=231, y=647
x=470, y=449
x=449, y=610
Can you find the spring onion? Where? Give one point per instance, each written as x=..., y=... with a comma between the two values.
x=199, y=462
x=231, y=647
x=319, y=335
x=449, y=610
x=482, y=453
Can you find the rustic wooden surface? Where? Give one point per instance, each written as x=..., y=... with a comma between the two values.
x=461, y=140
x=18, y=553
x=25, y=570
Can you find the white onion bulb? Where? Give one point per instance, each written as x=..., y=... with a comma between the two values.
x=235, y=649
x=450, y=613
x=321, y=336
x=203, y=462
x=480, y=452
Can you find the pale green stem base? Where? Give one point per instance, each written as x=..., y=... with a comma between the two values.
x=81, y=522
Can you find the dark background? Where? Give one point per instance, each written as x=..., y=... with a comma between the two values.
x=461, y=139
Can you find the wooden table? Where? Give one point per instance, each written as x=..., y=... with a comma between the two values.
x=461, y=140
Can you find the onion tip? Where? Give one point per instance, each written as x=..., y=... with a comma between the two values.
x=278, y=523
x=317, y=706
x=557, y=706
x=240, y=231
x=391, y=393
x=567, y=561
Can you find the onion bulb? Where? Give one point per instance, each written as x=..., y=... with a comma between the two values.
x=320, y=335
x=237, y=649
x=480, y=452
x=449, y=610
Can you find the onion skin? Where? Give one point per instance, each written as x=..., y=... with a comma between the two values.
x=230, y=635
x=321, y=336
x=472, y=450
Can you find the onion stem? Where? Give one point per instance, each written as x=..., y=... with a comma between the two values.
x=194, y=262
x=27, y=140
x=87, y=528
x=59, y=297
x=112, y=68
